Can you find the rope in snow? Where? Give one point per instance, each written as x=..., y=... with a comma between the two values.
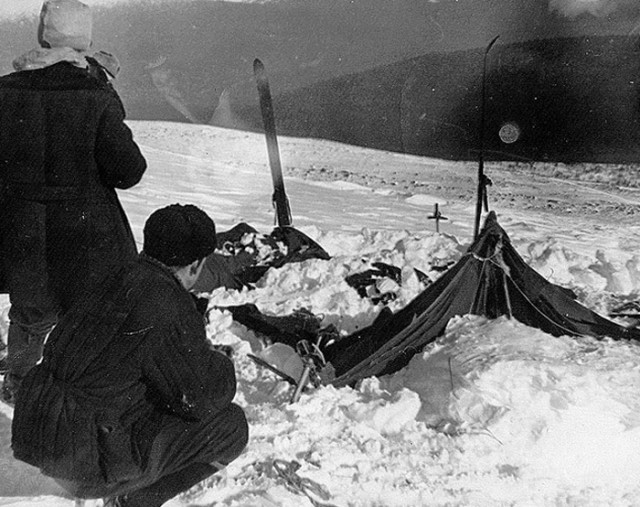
x=287, y=471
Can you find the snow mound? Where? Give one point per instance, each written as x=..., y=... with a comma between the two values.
x=563, y=409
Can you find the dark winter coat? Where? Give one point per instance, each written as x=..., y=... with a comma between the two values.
x=112, y=369
x=64, y=148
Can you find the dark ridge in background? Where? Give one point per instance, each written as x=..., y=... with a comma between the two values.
x=402, y=75
x=574, y=100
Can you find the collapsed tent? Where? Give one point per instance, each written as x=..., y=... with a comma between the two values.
x=490, y=280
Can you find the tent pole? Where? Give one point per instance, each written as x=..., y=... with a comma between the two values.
x=481, y=178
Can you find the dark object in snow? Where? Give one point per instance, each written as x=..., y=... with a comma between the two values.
x=491, y=280
x=300, y=247
x=234, y=235
x=437, y=216
x=287, y=329
x=245, y=256
x=281, y=470
x=628, y=309
x=370, y=283
x=261, y=362
x=628, y=312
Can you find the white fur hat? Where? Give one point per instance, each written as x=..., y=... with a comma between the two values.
x=65, y=23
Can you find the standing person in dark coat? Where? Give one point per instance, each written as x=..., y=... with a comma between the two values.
x=131, y=401
x=64, y=149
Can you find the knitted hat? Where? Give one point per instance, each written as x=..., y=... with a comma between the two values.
x=65, y=23
x=178, y=235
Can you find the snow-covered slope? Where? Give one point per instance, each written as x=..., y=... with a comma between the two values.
x=495, y=413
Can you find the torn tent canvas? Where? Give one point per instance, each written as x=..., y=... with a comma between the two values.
x=244, y=256
x=287, y=329
x=490, y=280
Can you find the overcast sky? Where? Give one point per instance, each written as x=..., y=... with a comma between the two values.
x=15, y=8
x=571, y=8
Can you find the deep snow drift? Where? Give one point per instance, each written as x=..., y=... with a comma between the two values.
x=494, y=413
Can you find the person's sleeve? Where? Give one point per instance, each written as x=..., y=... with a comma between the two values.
x=217, y=272
x=185, y=376
x=119, y=159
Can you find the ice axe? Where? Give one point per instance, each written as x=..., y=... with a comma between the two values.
x=313, y=360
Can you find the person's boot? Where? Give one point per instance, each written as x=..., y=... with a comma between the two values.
x=115, y=501
x=10, y=387
x=166, y=487
x=7, y=395
x=4, y=365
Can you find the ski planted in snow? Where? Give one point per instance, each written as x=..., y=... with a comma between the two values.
x=280, y=200
x=483, y=181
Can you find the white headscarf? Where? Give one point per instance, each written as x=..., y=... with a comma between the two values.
x=39, y=58
x=65, y=23
x=64, y=34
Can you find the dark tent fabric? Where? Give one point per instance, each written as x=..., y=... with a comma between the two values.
x=366, y=282
x=491, y=280
x=300, y=246
x=237, y=264
x=289, y=329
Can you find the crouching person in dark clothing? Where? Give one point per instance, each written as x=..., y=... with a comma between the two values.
x=130, y=403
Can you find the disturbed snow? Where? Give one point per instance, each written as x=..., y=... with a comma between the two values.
x=494, y=413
